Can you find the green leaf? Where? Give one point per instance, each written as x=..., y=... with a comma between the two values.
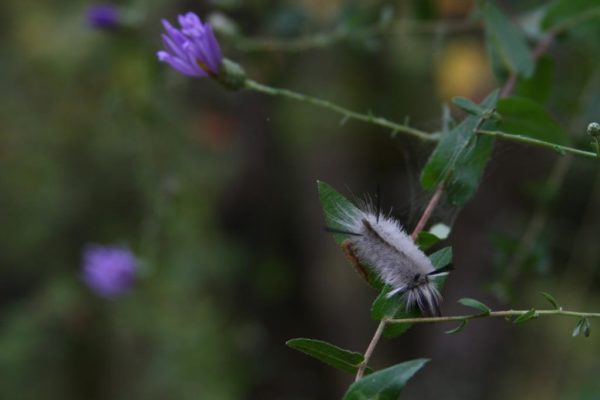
x=437, y=233
x=426, y=239
x=510, y=43
x=395, y=307
x=345, y=360
x=460, y=157
x=386, y=384
x=539, y=86
x=522, y=116
x=459, y=328
x=335, y=207
x=469, y=169
x=497, y=64
x=525, y=317
x=392, y=307
x=587, y=328
x=565, y=12
x=468, y=106
x=476, y=304
x=550, y=299
x=583, y=326
x=441, y=258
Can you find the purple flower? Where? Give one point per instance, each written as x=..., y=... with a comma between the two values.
x=109, y=271
x=192, y=50
x=103, y=16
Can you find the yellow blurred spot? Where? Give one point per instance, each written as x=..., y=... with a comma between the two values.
x=322, y=9
x=463, y=70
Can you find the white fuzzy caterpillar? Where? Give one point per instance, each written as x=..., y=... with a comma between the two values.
x=381, y=243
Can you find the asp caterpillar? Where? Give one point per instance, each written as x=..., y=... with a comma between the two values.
x=380, y=242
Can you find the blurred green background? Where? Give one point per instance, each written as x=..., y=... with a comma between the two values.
x=215, y=192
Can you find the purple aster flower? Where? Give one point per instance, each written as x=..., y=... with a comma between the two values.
x=192, y=50
x=109, y=271
x=103, y=16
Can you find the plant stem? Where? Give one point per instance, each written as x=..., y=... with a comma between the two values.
x=433, y=202
x=536, y=142
x=370, y=349
x=403, y=128
x=347, y=114
x=507, y=313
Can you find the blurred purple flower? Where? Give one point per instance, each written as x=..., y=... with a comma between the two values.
x=103, y=16
x=109, y=271
x=192, y=50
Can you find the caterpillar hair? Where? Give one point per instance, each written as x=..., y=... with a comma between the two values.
x=380, y=242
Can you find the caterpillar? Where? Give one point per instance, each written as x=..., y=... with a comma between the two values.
x=380, y=242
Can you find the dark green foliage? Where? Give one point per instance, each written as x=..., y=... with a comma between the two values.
x=525, y=317
x=459, y=328
x=476, y=304
x=550, y=299
x=468, y=106
x=571, y=12
x=523, y=116
x=385, y=384
x=583, y=327
x=330, y=354
x=539, y=86
x=426, y=239
x=508, y=40
x=460, y=157
x=333, y=204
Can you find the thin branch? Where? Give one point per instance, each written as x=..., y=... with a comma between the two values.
x=536, y=142
x=347, y=114
x=370, y=349
x=326, y=39
x=403, y=128
x=505, y=314
x=433, y=202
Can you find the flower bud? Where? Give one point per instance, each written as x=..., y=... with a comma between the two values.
x=593, y=130
x=231, y=75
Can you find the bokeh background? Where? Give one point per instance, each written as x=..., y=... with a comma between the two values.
x=215, y=191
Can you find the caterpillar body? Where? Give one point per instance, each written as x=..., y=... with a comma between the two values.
x=380, y=242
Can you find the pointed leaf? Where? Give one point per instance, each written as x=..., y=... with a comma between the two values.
x=426, y=239
x=468, y=106
x=522, y=116
x=437, y=233
x=476, y=304
x=470, y=167
x=525, y=317
x=539, y=86
x=330, y=354
x=550, y=299
x=460, y=157
x=578, y=327
x=509, y=41
x=385, y=384
x=459, y=328
x=335, y=207
x=587, y=328
x=441, y=258
x=566, y=11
